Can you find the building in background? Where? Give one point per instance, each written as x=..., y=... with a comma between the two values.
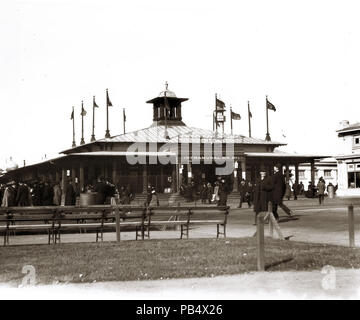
x=326, y=168
x=348, y=161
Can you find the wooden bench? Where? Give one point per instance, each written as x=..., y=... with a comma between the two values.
x=185, y=217
x=108, y=218
x=26, y=219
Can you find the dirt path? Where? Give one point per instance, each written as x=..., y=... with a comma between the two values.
x=343, y=284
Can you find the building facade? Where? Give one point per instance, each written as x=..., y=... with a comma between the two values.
x=348, y=161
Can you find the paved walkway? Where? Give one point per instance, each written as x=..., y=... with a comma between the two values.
x=342, y=284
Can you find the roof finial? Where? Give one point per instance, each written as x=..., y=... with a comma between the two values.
x=166, y=85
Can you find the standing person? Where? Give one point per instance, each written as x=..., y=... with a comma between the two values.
x=70, y=195
x=223, y=193
x=262, y=195
x=2, y=190
x=242, y=190
x=321, y=190
x=57, y=194
x=189, y=193
x=48, y=194
x=9, y=196
x=277, y=186
x=100, y=188
x=287, y=190
x=215, y=197
x=154, y=198
x=210, y=191
x=148, y=195
x=203, y=192
x=22, y=197
x=250, y=194
x=301, y=188
x=295, y=188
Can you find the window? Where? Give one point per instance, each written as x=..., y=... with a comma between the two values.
x=354, y=180
x=301, y=173
x=316, y=174
x=356, y=142
x=327, y=173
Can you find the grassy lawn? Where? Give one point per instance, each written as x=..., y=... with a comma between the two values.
x=163, y=259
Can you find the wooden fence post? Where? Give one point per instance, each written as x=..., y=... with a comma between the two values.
x=260, y=242
x=271, y=226
x=351, y=226
x=117, y=219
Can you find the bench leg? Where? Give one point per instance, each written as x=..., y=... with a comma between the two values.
x=217, y=231
x=181, y=231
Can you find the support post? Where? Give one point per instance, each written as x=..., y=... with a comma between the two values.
x=117, y=219
x=243, y=167
x=297, y=173
x=351, y=226
x=312, y=165
x=260, y=242
x=82, y=178
x=235, y=176
x=271, y=226
x=145, y=178
x=63, y=186
x=114, y=171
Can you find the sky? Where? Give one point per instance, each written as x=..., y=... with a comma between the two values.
x=304, y=55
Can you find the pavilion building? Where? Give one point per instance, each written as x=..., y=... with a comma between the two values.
x=190, y=153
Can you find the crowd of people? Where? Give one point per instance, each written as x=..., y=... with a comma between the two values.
x=216, y=193
x=46, y=193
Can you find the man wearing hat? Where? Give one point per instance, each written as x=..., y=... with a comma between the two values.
x=262, y=193
x=278, y=191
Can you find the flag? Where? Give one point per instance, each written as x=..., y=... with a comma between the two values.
x=94, y=104
x=108, y=102
x=124, y=116
x=220, y=104
x=235, y=116
x=72, y=115
x=83, y=111
x=270, y=106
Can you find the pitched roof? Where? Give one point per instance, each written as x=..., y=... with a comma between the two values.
x=183, y=134
x=352, y=127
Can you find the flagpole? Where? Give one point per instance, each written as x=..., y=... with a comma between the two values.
x=267, y=138
x=249, y=119
x=107, y=133
x=82, y=123
x=124, y=118
x=231, y=125
x=73, y=119
x=166, y=110
x=93, y=123
x=215, y=118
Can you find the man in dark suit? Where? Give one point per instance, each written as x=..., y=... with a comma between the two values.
x=262, y=193
x=278, y=191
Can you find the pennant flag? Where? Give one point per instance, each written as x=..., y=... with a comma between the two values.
x=83, y=112
x=108, y=102
x=72, y=115
x=220, y=104
x=235, y=116
x=270, y=106
x=94, y=104
x=124, y=116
